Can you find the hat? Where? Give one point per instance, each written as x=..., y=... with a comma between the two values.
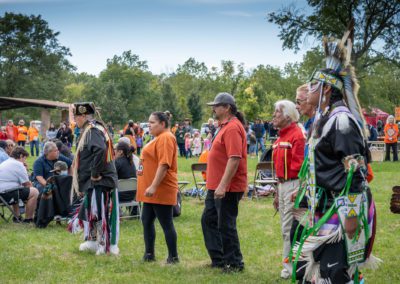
x=21, y=122
x=223, y=98
x=84, y=108
x=60, y=166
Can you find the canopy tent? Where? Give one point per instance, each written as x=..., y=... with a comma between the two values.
x=7, y=103
x=374, y=115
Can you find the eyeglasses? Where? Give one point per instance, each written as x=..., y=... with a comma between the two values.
x=299, y=102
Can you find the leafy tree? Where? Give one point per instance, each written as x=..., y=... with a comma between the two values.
x=32, y=62
x=195, y=108
x=169, y=101
x=376, y=34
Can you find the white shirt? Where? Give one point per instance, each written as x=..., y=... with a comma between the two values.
x=12, y=174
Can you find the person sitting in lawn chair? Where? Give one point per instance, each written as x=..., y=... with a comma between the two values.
x=13, y=174
x=55, y=199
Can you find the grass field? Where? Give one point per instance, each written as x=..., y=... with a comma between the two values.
x=30, y=255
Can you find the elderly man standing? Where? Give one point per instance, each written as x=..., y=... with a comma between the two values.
x=305, y=108
x=226, y=183
x=43, y=166
x=288, y=155
x=95, y=177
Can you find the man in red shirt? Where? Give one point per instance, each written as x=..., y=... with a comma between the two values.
x=288, y=155
x=226, y=183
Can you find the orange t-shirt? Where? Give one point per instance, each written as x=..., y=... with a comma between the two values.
x=230, y=141
x=160, y=151
x=22, y=132
x=33, y=134
x=391, y=133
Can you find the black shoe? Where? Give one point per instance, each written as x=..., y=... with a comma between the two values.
x=27, y=221
x=233, y=268
x=17, y=220
x=149, y=257
x=216, y=265
x=172, y=260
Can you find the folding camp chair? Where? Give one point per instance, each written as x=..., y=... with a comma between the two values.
x=182, y=184
x=129, y=185
x=8, y=205
x=200, y=186
x=264, y=175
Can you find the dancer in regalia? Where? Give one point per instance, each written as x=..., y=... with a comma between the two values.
x=335, y=237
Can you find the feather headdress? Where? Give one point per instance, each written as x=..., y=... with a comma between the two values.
x=338, y=54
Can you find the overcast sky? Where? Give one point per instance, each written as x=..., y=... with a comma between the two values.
x=165, y=33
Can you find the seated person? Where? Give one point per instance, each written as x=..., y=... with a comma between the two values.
x=13, y=173
x=43, y=166
x=10, y=146
x=126, y=140
x=60, y=169
x=3, y=153
x=125, y=167
x=64, y=149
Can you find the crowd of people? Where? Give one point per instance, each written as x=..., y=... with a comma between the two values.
x=326, y=208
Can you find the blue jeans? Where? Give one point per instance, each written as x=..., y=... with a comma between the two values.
x=34, y=144
x=260, y=143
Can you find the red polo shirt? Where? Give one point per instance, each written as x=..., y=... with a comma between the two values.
x=230, y=141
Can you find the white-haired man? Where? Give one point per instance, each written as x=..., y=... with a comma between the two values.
x=288, y=155
x=43, y=166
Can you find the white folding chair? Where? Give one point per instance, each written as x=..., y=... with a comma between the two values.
x=260, y=180
x=129, y=185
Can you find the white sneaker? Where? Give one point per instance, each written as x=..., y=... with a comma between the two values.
x=114, y=250
x=101, y=249
x=88, y=246
x=285, y=274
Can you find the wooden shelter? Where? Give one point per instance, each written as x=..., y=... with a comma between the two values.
x=7, y=103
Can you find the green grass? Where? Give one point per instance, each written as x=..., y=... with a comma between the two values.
x=51, y=255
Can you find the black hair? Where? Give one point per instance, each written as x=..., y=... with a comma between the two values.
x=336, y=97
x=162, y=117
x=238, y=114
x=127, y=150
x=18, y=152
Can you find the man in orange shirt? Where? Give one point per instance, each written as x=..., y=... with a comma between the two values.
x=391, y=134
x=226, y=183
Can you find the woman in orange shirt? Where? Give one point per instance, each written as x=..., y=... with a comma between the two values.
x=33, y=135
x=158, y=186
x=22, y=132
x=391, y=133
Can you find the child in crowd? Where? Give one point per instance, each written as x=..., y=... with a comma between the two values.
x=196, y=144
x=188, y=145
x=207, y=142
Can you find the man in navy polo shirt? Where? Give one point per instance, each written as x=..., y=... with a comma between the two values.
x=43, y=166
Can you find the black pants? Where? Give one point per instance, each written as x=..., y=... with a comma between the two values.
x=164, y=215
x=182, y=151
x=332, y=259
x=219, y=228
x=394, y=149
x=333, y=262
x=21, y=143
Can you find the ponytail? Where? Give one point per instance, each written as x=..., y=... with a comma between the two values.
x=238, y=114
